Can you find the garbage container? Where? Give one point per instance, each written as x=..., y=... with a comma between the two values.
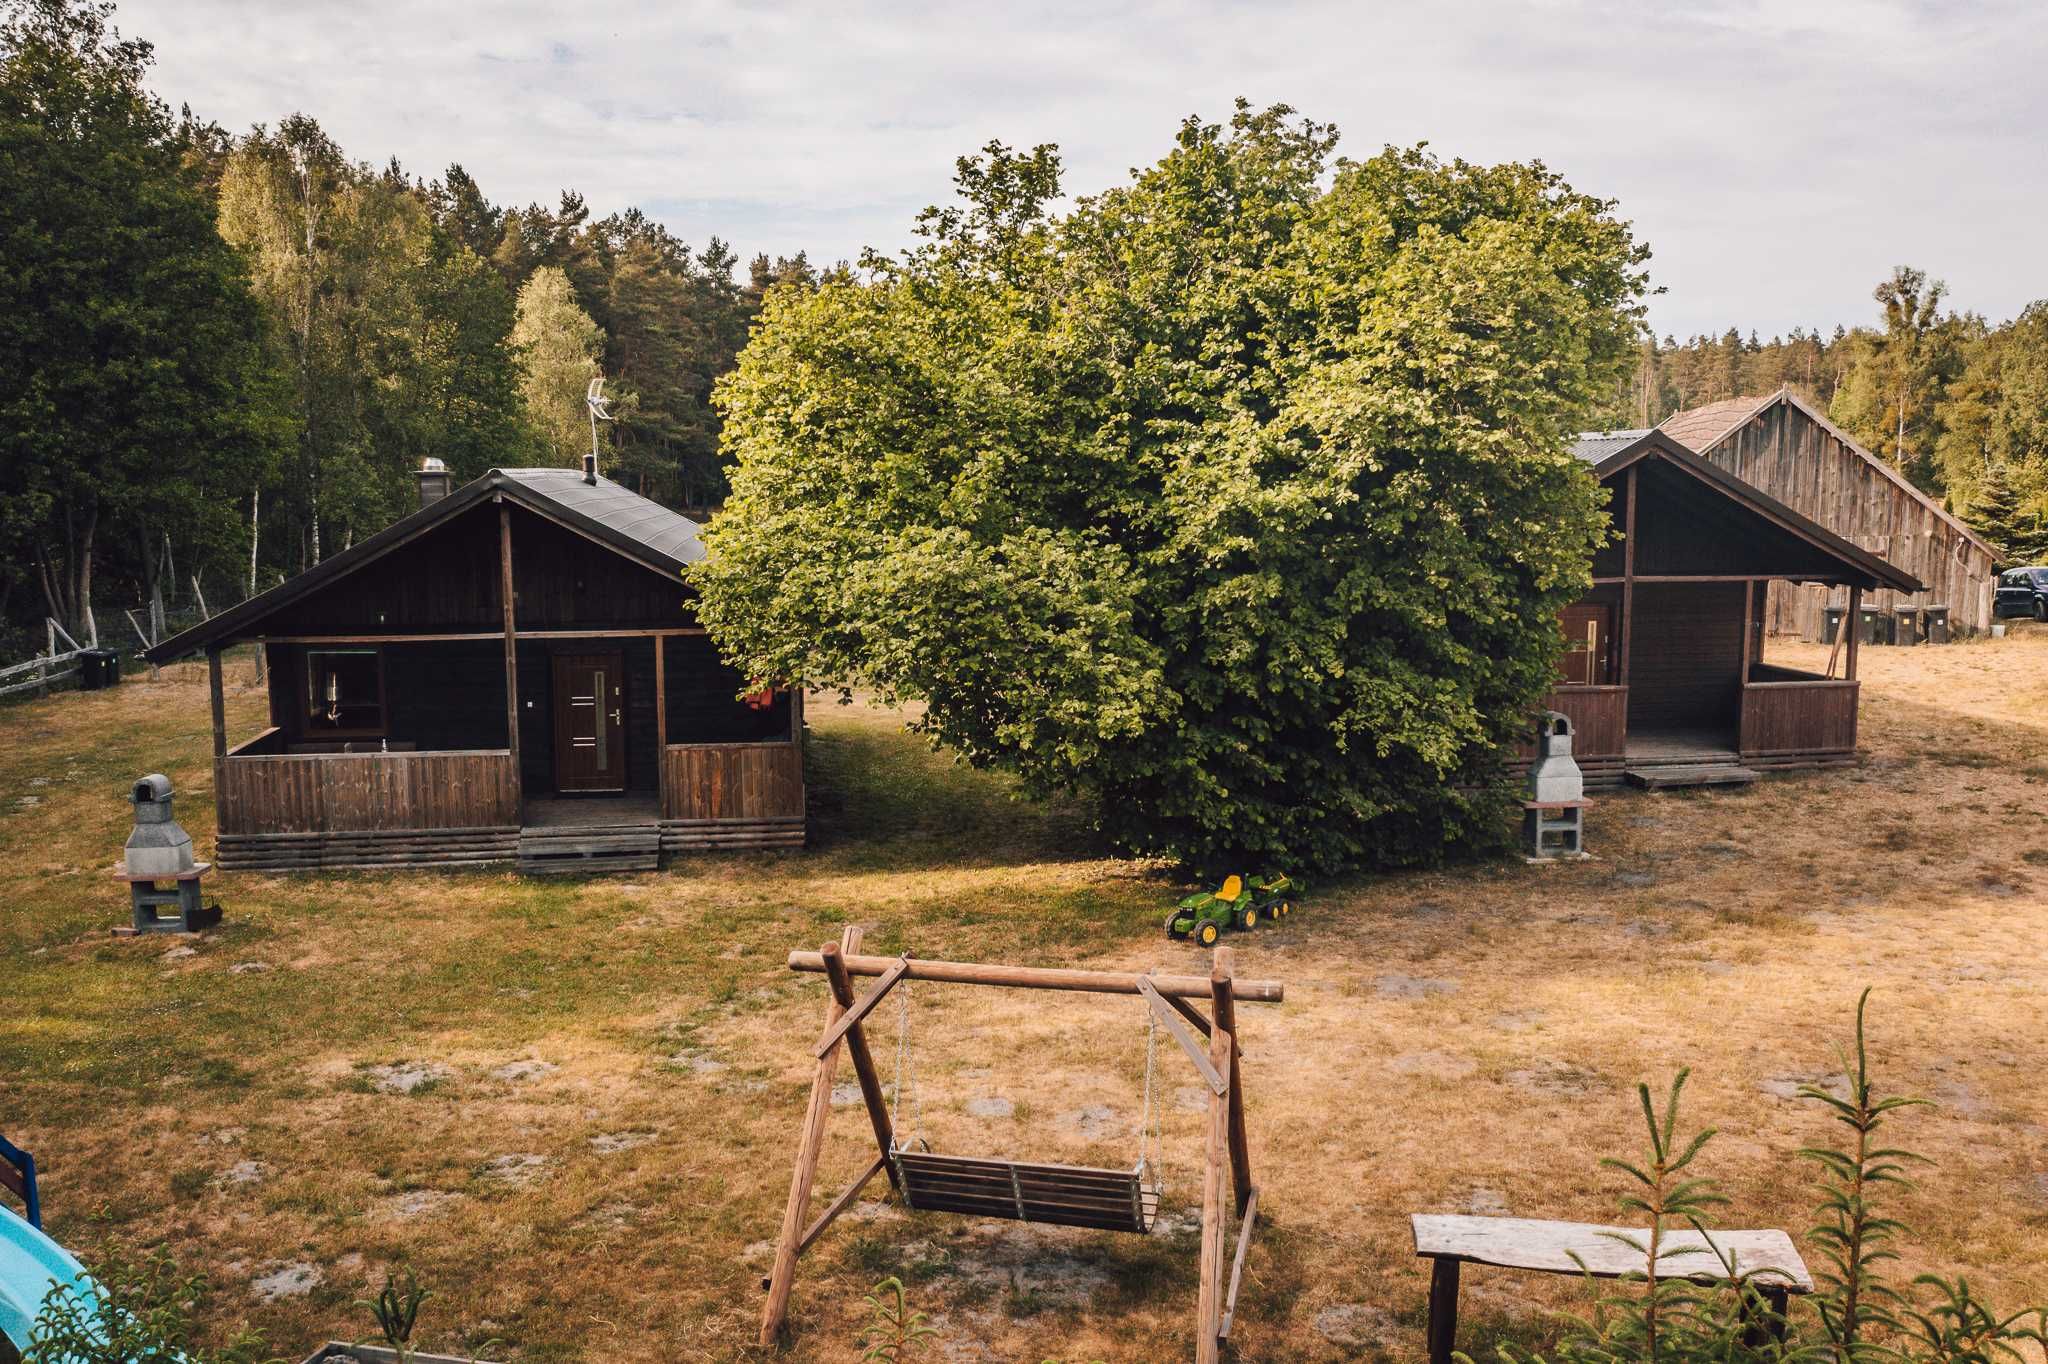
x=98, y=668
x=1935, y=624
x=1831, y=623
x=1875, y=626
x=1906, y=625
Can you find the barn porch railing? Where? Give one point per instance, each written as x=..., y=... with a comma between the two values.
x=1787, y=713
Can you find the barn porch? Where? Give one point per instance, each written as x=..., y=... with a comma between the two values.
x=1664, y=674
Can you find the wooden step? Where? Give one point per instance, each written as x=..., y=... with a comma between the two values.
x=581, y=850
x=1658, y=777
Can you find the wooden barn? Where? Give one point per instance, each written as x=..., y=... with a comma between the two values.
x=1783, y=448
x=1664, y=682
x=512, y=671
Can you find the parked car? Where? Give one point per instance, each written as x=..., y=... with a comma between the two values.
x=2022, y=592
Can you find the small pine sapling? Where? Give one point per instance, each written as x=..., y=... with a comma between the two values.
x=893, y=1330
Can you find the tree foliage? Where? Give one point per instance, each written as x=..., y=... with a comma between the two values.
x=138, y=395
x=1236, y=497
x=558, y=346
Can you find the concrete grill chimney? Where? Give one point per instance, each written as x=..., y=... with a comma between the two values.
x=435, y=481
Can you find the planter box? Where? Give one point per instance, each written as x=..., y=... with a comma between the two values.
x=337, y=1352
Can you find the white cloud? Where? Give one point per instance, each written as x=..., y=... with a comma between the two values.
x=1779, y=157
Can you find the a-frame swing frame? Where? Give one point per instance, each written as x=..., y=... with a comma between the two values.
x=1168, y=998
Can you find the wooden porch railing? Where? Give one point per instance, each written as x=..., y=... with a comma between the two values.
x=269, y=793
x=732, y=781
x=1798, y=715
x=1599, y=717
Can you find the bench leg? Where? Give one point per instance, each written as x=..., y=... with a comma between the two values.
x=1443, y=1309
x=1756, y=1334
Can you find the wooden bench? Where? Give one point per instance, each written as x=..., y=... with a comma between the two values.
x=1768, y=1258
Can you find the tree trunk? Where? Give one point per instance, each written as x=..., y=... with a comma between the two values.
x=255, y=533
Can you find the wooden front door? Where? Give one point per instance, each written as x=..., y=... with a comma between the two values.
x=1588, y=645
x=590, y=722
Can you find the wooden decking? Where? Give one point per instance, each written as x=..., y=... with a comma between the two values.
x=570, y=836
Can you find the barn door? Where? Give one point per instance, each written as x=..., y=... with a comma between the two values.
x=590, y=729
x=1588, y=645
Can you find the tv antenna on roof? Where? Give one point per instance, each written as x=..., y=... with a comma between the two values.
x=599, y=405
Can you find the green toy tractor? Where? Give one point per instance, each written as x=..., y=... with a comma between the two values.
x=1239, y=903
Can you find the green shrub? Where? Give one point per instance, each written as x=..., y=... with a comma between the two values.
x=143, y=1314
x=1236, y=498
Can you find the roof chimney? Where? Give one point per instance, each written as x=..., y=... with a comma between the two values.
x=435, y=481
x=590, y=468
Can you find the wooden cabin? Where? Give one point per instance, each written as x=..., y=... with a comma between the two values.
x=1786, y=450
x=1662, y=679
x=512, y=671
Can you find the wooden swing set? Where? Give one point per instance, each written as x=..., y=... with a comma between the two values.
x=1026, y=1191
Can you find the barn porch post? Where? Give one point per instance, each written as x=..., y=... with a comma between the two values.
x=219, y=703
x=1853, y=623
x=508, y=600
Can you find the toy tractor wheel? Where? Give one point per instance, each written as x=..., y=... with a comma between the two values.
x=1282, y=910
x=1171, y=930
x=1248, y=918
x=1206, y=935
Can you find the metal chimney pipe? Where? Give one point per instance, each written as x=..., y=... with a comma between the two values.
x=435, y=481
x=590, y=468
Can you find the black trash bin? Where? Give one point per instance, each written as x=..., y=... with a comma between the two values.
x=1875, y=627
x=1831, y=623
x=98, y=668
x=1936, y=618
x=1906, y=625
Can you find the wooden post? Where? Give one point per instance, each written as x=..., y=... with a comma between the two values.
x=863, y=1061
x=1443, y=1309
x=660, y=701
x=1628, y=585
x=511, y=632
x=220, y=711
x=1209, y=1300
x=783, y=1277
x=1225, y=1007
x=1853, y=623
x=1748, y=661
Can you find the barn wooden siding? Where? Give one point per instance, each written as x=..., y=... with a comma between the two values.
x=1785, y=453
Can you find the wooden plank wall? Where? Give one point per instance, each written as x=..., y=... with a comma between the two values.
x=732, y=781
x=356, y=792
x=1685, y=656
x=1799, y=718
x=1784, y=453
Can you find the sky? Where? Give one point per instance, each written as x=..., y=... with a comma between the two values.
x=1779, y=158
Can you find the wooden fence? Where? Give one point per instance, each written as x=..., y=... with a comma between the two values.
x=359, y=792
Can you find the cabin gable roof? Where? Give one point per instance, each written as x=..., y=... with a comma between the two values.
x=1609, y=453
x=1702, y=428
x=606, y=513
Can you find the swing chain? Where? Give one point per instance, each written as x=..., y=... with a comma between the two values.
x=905, y=1069
x=1151, y=1136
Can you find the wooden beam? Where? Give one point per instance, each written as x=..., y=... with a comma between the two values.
x=1853, y=623
x=1748, y=636
x=1628, y=585
x=1044, y=978
x=861, y=1010
x=220, y=710
x=660, y=694
x=1244, y=1243
x=1209, y=1296
x=863, y=1061
x=1178, y=1030
x=782, y=1277
x=1443, y=1309
x=1226, y=1021
x=510, y=603
x=840, y=1205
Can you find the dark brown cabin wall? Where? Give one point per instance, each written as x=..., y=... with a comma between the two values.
x=1689, y=528
x=1685, y=665
x=563, y=582
x=1786, y=454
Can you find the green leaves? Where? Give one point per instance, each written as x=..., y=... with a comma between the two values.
x=1235, y=497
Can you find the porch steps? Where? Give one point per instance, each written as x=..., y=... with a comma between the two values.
x=1663, y=776
x=584, y=849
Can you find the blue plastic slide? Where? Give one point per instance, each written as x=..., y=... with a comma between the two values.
x=29, y=1263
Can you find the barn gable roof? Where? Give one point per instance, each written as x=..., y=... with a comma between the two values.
x=608, y=513
x=1610, y=452
x=1702, y=428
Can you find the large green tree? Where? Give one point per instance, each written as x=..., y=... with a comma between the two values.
x=1236, y=498
x=1995, y=417
x=137, y=399
x=558, y=348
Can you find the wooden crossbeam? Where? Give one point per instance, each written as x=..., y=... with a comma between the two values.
x=840, y=1204
x=1045, y=978
x=1244, y=1243
x=1179, y=1032
x=852, y=1017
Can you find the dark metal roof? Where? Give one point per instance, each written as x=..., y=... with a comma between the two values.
x=619, y=509
x=1594, y=446
x=614, y=516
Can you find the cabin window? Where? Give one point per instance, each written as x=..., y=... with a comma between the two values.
x=344, y=691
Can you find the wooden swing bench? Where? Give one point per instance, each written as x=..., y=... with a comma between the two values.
x=1027, y=1191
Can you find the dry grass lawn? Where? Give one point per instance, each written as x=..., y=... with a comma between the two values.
x=572, y=1107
